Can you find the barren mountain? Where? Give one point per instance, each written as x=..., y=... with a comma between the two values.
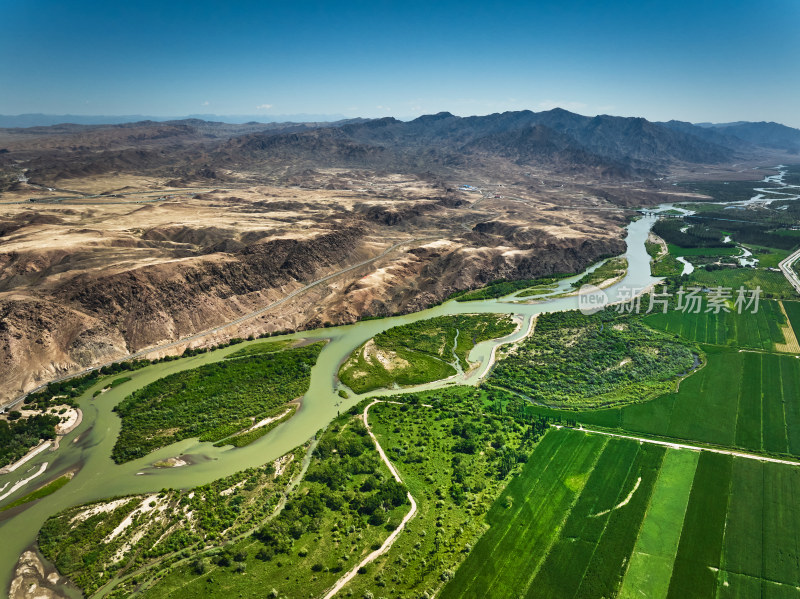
x=116, y=239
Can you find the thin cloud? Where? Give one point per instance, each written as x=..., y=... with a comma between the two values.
x=263, y=106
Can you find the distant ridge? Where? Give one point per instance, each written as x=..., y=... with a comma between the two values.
x=46, y=120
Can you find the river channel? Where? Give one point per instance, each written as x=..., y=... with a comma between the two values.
x=87, y=449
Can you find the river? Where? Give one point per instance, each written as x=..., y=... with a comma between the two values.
x=88, y=447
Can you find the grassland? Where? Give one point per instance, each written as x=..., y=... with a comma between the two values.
x=612, y=268
x=420, y=352
x=212, y=402
x=503, y=287
x=602, y=359
x=44, y=491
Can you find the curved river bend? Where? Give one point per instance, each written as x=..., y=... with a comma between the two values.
x=89, y=446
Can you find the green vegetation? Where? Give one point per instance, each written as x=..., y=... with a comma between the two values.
x=676, y=232
x=773, y=284
x=19, y=435
x=738, y=399
x=455, y=458
x=715, y=252
x=420, y=352
x=503, y=287
x=265, y=347
x=44, y=491
x=589, y=555
x=700, y=546
x=522, y=529
x=249, y=436
x=663, y=265
x=96, y=542
x=761, y=330
x=213, y=401
x=768, y=257
x=610, y=269
x=725, y=191
x=578, y=360
x=654, y=553
x=793, y=312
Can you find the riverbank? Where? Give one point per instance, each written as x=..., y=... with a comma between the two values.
x=99, y=478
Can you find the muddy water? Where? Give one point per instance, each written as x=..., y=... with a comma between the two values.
x=89, y=446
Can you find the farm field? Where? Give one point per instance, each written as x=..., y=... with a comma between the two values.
x=746, y=400
x=644, y=521
x=525, y=520
x=793, y=312
x=773, y=284
x=761, y=330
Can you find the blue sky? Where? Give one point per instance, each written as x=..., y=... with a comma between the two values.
x=697, y=61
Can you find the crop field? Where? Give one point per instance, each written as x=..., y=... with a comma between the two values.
x=761, y=330
x=738, y=399
x=793, y=311
x=740, y=537
x=773, y=284
x=633, y=520
x=527, y=517
x=677, y=250
x=654, y=554
x=589, y=557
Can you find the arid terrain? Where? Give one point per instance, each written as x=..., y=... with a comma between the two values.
x=116, y=239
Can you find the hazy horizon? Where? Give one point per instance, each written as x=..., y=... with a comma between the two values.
x=698, y=62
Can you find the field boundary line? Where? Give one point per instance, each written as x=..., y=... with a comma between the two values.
x=387, y=544
x=676, y=445
x=791, y=345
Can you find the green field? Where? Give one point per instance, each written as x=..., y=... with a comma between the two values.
x=654, y=553
x=773, y=284
x=793, y=312
x=592, y=519
x=757, y=331
x=589, y=557
x=677, y=250
x=527, y=518
x=420, y=352
x=700, y=547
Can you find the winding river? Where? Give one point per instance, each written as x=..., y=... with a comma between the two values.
x=87, y=449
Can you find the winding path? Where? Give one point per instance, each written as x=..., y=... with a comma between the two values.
x=387, y=544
